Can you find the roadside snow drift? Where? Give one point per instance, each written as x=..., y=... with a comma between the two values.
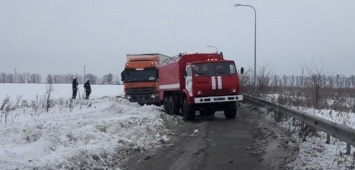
x=99, y=132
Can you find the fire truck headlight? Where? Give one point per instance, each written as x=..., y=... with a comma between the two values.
x=199, y=92
x=234, y=90
x=128, y=97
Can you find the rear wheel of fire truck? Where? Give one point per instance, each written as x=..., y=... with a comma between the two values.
x=231, y=110
x=173, y=109
x=187, y=111
x=166, y=105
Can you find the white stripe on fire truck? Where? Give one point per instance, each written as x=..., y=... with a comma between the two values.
x=219, y=82
x=169, y=86
x=213, y=80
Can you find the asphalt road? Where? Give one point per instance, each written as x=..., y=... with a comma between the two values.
x=210, y=143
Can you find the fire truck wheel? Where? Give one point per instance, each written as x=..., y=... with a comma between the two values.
x=166, y=105
x=230, y=111
x=187, y=111
x=173, y=106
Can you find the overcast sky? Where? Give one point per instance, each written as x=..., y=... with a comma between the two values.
x=63, y=36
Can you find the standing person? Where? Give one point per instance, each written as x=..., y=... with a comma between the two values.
x=87, y=89
x=75, y=88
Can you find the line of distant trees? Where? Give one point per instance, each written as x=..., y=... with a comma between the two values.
x=265, y=78
x=58, y=78
x=302, y=81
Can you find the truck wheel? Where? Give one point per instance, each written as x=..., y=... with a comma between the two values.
x=166, y=105
x=231, y=110
x=173, y=106
x=187, y=111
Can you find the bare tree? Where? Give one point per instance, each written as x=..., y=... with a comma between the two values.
x=11, y=78
x=285, y=80
x=35, y=78
x=27, y=77
x=49, y=79
x=316, y=74
x=48, y=96
x=245, y=80
x=293, y=81
x=331, y=81
x=3, y=78
x=107, y=79
x=117, y=79
x=263, y=78
x=21, y=78
x=93, y=79
x=302, y=78
x=275, y=81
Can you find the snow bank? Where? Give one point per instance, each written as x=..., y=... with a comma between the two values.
x=82, y=134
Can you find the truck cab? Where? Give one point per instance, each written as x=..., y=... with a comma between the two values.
x=140, y=78
x=211, y=79
x=212, y=86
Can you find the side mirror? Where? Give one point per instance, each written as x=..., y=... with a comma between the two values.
x=242, y=70
x=122, y=76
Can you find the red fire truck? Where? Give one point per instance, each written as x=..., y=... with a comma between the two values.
x=203, y=82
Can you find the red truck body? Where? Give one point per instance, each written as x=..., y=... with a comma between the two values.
x=202, y=82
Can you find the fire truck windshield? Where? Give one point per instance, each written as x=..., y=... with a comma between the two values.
x=140, y=75
x=214, y=69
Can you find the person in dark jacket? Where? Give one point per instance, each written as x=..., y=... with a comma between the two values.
x=87, y=88
x=75, y=88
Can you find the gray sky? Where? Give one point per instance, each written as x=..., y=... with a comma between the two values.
x=59, y=37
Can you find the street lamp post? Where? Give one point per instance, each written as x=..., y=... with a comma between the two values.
x=236, y=5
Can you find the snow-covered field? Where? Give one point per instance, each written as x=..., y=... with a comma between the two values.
x=103, y=131
x=82, y=134
x=64, y=91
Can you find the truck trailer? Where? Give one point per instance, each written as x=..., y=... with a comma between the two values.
x=141, y=79
x=203, y=82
